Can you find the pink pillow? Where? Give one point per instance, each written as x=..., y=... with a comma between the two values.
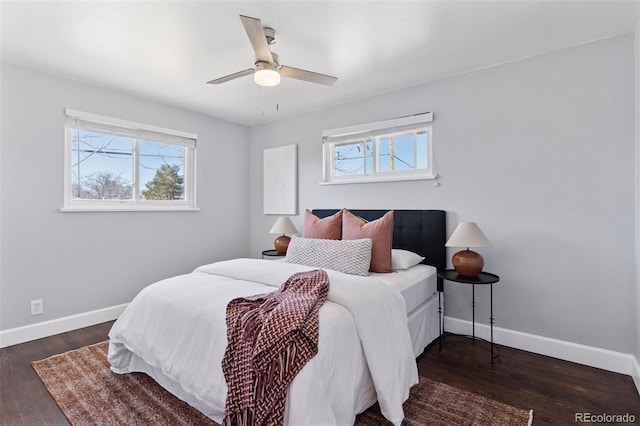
x=328, y=228
x=381, y=233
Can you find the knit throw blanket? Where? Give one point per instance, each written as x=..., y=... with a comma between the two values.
x=270, y=337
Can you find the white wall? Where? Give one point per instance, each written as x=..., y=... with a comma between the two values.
x=540, y=153
x=79, y=262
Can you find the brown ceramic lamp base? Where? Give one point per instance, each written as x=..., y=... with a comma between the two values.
x=467, y=263
x=282, y=243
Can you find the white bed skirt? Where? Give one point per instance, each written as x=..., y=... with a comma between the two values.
x=424, y=325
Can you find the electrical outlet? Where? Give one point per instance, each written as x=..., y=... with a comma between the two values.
x=37, y=307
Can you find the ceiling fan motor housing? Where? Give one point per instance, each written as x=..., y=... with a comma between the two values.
x=262, y=65
x=270, y=35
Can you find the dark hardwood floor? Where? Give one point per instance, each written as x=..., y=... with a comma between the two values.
x=554, y=389
x=23, y=398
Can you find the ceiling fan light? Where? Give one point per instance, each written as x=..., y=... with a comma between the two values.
x=266, y=74
x=267, y=77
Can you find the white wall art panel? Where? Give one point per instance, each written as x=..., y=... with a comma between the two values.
x=280, y=180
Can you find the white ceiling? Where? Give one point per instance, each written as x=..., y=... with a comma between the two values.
x=166, y=51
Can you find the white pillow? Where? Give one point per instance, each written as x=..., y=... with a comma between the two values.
x=348, y=256
x=404, y=259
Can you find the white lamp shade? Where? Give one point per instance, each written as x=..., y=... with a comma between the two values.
x=283, y=226
x=468, y=234
x=267, y=77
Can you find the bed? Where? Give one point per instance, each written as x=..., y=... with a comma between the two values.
x=175, y=330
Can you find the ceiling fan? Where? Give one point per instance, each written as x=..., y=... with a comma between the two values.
x=267, y=71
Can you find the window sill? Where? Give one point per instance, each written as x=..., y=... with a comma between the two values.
x=84, y=209
x=378, y=180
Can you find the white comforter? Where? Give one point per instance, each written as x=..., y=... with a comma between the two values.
x=365, y=352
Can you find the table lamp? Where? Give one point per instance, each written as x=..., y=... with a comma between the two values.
x=466, y=262
x=283, y=226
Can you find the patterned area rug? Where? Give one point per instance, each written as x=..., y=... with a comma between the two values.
x=88, y=393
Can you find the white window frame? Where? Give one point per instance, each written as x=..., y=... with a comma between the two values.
x=136, y=131
x=376, y=131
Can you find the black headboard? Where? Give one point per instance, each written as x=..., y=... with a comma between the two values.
x=421, y=231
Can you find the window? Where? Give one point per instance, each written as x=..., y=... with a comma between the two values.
x=113, y=164
x=398, y=149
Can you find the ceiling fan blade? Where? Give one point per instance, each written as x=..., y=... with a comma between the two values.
x=310, y=76
x=257, y=37
x=232, y=76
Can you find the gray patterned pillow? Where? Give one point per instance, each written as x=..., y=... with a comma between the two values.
x=348, y=256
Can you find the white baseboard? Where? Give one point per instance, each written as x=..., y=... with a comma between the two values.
x=587, y=355
x=14, y=336
x=636, y=373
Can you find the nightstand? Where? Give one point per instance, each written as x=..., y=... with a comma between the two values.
x=272, y=254
x=481, y=278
